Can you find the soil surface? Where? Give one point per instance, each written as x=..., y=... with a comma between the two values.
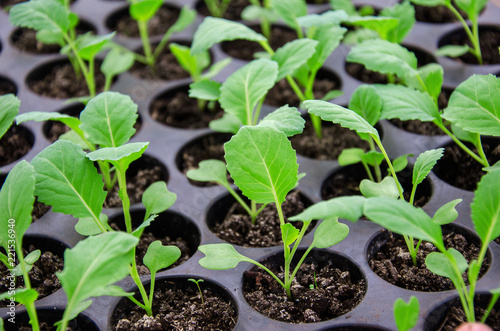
x=459, y=169
x=237, y=228
x=14, y=144
x=245, y=50
x=393, y=262
x=177, y=306
x=233, y=11
x=5, y=3
x=436, y=14
x=177, y=109
x=7, y=87
x=338, y=291
x=39, y=209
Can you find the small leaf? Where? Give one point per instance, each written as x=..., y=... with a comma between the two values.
x=289, y=234
x=289, y=11
x=293, y=55
x=205, y=90
x=383, y=25
x=485, y=208
x=439, y=264
x=87, y=226
x=40, y=116
x=159, y=257
x=345, y=5
x=350, y=156
x=89, y=45
x=431, y=74
x=406, y=314
x=40, y=15
x=186, y=17
x=446, y=213
x=227, y=123
x=366, y=102
x=144, y=10
x=210, y=171
x=328, y=37
x=496, y=166
x=9, y=104
x=193, y=64
x=220, y=257
x=372, y=158
x=386, y=188
x=32, y=257
x=22, y=295
x=350, y=208
x=216, y=68
x=116, y=62
x=332, y=95
x=401, y=162
x=329, y=233
x=286, y=119
x=405, y=13
x=424, y=164
x=113, y=154
x=157, y=198
x=327, y=18
x=139, y=230
x=452, y=50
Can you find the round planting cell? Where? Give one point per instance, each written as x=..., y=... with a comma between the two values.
x=233, y=11
x=7, y=86
x=15, y=143
x=47, y=317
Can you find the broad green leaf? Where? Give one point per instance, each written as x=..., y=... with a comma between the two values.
x=406, y=314
x=114, y=154
x=350, y=156
x=194, y=64
x=227, y=123
x=424, y=164
x=432, y=77
x=116, y=62
x=22, y=295
x=220, y=257
x=386, y=188
x=441, y=265
x=473, y=106
x=49, y=37
x=327, y=18
x=262, y=163
x=205, y=90
x=73, y=137
x=405, y=13
x=400, y=217
x=286, y=119
x=157, y=198
x=452, y=50
x=289, y=234
x=209, y=171
x=401, y=162
x=350, y=208
x=214, y=30
x=343, y=116
x=88, y=45
x=430, y=3
x=346, y=5
x=88, y=227
x=372, y=158
x=446, y=213
x=144, y=10
x=93, y=265
x=384, y=56
x=366, y=102
x=40, y=116
x=159, y=257
x=383, y=25
x=485, y=208
x=328, y=37
x=241, y=91
x=293, y=55
x=289, y=11
x=406, y=103
x=16, y=202
x=109, y=119
x=186, y=17
x=9, y=107
x=329, y=233
x=68, y=181
x=40, y=15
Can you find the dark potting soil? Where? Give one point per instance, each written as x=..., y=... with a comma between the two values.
x=7, y=87
x=42, y=275
x=177, y=305
x=46, y=323
x=39, y=209
x=5, y=3
x=393, y=262
x=14, y=144
x=245, y=50
x=436, y=14
x=233, y=11
x=334, y=139
x=164, y=18
x=459, y=169
x=177, y=109
x=337, y=292
x=61, y=82
x=166, y=67
x=237, y=228
x=489, y=39
x=317, y=2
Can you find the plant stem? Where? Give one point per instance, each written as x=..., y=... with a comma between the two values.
x=122, y=184
x=378, y=172
x=389, y=163
x=143, y=31
x=480, y=150
x=137, y=280
x=473, y=37
x=30, y=307
x=241, y=202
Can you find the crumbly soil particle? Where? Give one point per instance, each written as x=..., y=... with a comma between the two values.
x=459, y=169
x=237, y=228
x=393, y=262
x=164, y=18
x=14, y=145
x=233, y=11
x=337, y=292
x=42, y=275
x=166, y=67
x=245, y=50
x=39, y=209
x=489, y=39
x=177, y=305
x=7, y=87
x=177, y=109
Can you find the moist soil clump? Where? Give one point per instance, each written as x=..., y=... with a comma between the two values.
x=166, y=67
x=237, y=227
x=177, y=305
x=14, y=145
x=245, y=50
x=393, y=262
x=337, y=292
x=177, y=109
x=164, y=18
x=233, y=11
x=489, y=39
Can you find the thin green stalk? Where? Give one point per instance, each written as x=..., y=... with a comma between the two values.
x=480, y=150
x=161, y=46
x=378, y=172
x=459, y=143
x=151, y=292
x=143, y=31
x=265, y=26
x=253, y=206
x=257, y=111
x=137, y=280
x=368, y=171
x=471, y=35
x=30, y=308
x=122, y=184
x=241, y=202
x=79, y=60
x=493, y=301
x=393, y=172
x=91, y=78
x=263, y=267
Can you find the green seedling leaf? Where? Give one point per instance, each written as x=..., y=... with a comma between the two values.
x=144, y=10
x=452, y=50
x=473, y=106
x=440, y=264
x=252, y=12
x=289, y=234
x=328, y=37
x=186, y=17
x=210, y=171
x=472, y=7
x=494, y=167
x=49, y=37
x=406, y=314
x=93, y=265
x=40, y=15
x=464, y=135
x=293, y=55
x=430, y=3
x=216, y=68
x=241, y=91
x=290, y=10
x=343, y=116
x=386, y=188
x=286, y=119
x=227, y=123
x=406, y=103
x=332, y=95
x=88, y=45
x=446, y=213
x=87, y=226
x=39, y=116
x=68, y=181
x=115, y=291
x=29, y=260
x=138, y=232
x=431, y=75
x=117, y=62
x=405, y=13
x=194, y=64
x=400, y=217
x=384, y=56
x=485, y=208
x=366, y=102
x=131, y=151
x=350, y=156
x=214, y=30
x=16, y=202
x=345, y=5
x=157, y=198
x=21, y=295
x=372, y=158
x=205, y=90
x=359, y=35
x=327, y=18
x=109, y=119
x=9, y=106
x=159, y=257
x=73, y=137
x=350, y=208
x=262, y=163
x=220, y=257
x=474, y=269
x=424, y=164
x=401, y=162
x=383, y=25
x=329, y=233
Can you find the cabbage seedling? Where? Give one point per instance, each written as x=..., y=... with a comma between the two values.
x=9, y=106
x=197, y=282
x=217, y=8
x=406, y=314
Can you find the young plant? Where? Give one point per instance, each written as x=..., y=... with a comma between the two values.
x=217, y=8
x=406, y=314
x=265, y=173
x=472, y=8
x=260, y=10
x=197, y=282
x=9, y=108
